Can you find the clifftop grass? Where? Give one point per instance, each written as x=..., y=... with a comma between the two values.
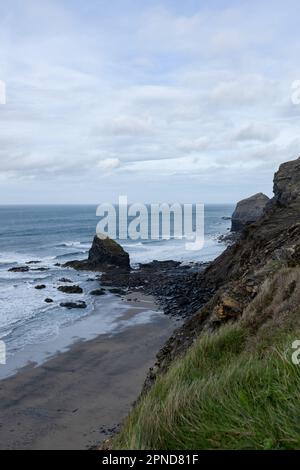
x=234, y=389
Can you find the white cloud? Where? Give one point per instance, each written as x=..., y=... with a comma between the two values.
x=170, y=90
x=129, y=126
x=256, y=132
x=195, y=145
x=109, y=164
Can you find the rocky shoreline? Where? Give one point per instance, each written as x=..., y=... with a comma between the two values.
x=171, y=283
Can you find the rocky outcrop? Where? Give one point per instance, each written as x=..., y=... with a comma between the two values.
x=103, y=255
x=287, y=183
x=248, y=211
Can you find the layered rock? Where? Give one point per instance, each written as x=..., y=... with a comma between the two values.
x=287, y=183
x=248, y=211
x=104, y=254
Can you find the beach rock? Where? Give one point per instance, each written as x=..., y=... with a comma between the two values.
x=19, y=269
x=40, y=287
x=248, y=211
x=70, y=289
x=63, y=279
x=182, y=301
x=71, y=305
x=33, y=262
x=98, y=292
x=104, y=254
x=155, y=264
x=117, y=291
x=39, y=269
x=48, y=301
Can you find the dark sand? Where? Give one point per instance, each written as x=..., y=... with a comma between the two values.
x=76, y=398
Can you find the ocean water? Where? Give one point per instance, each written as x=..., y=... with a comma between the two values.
x=56, y=234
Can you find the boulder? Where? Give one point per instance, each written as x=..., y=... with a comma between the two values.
x=104, y=254
x=49, y=301
x=248, y=211
x=117, y=291
x=71, y=305
x=40, y=287
x=98, y=292
x=19, y=269
x=70, y=289
x=40, y=269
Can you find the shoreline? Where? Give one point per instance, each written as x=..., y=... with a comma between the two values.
x=77, y=398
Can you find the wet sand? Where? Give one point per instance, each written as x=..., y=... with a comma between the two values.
x=77, y=398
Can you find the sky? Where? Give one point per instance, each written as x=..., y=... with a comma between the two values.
x=162, y=101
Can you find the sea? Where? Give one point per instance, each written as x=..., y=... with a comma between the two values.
x=45, y=236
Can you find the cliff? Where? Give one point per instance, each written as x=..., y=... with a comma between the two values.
x=226, y=379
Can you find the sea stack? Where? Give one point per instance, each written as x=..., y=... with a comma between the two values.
x=248, y=211
x=104, y=254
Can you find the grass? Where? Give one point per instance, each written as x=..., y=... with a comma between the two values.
x=234, y=389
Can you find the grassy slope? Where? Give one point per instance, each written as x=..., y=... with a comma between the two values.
x=234, y=389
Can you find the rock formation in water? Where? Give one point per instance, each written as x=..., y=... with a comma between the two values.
x=248, y=211
x=104, y=254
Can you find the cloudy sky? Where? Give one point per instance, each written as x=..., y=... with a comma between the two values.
x=160, y=100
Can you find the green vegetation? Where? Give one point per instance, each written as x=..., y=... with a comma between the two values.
x=234, y=389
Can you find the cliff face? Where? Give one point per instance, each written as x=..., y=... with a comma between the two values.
x=236, y=276
x=230, y=367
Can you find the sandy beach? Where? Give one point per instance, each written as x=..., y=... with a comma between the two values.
x=77, y=398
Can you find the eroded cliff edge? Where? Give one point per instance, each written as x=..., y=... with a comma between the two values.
x=236, y=276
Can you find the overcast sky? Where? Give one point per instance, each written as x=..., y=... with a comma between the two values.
x=165, y=100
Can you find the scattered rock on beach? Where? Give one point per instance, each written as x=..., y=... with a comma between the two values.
x=33, y=262
x=155, y=265
x=40, y=287
x=40, y=269
x=98, y=292
x=71, y=305
x=63, y=279
x=49, y=301
x=70, y=289
x=19, y=269
x=117, y=291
